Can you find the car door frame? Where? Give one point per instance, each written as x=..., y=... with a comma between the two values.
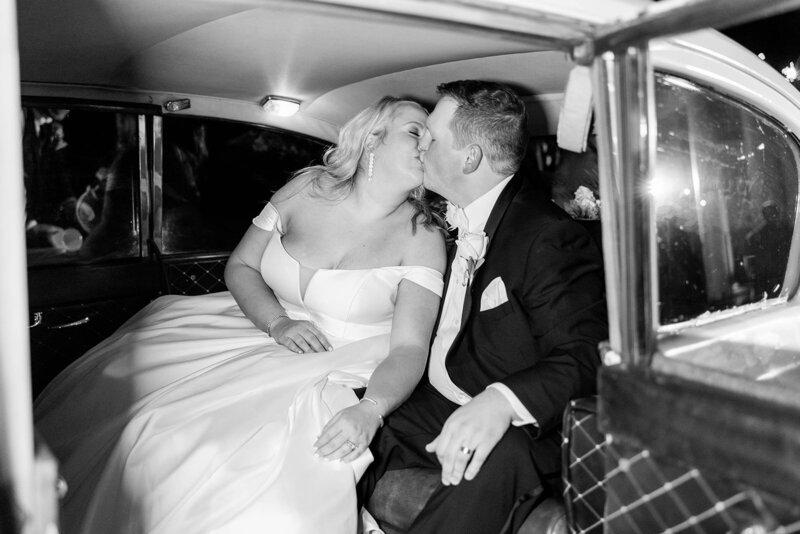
x=663, y=419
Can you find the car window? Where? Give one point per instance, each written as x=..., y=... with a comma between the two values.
x=725, y=195
x=218, y=175
x=81, y=174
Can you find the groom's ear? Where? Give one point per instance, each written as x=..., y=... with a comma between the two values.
x=473, y=159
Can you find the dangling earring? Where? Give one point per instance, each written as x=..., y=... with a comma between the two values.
x=371, y=166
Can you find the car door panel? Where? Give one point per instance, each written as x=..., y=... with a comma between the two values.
x=74, y=307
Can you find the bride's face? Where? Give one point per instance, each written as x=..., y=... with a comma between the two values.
x=397, y=162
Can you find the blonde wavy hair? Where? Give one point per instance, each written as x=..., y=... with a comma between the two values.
x=335, y=178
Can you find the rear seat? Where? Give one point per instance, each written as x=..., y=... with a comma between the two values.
x=400, y=495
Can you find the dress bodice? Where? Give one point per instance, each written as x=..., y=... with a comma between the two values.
x=346, y=303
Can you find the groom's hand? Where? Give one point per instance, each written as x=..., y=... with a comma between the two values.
x=470, y=434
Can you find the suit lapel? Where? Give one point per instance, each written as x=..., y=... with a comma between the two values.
x=496, y=215
x=451, y=254
x=500, y=207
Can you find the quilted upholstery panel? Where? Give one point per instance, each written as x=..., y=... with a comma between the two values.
x=196, y=276
x=584, y=456
x=647, y=496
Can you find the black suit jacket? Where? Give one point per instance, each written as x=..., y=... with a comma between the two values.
x=543, y=342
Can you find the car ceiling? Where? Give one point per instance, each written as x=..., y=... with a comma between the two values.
x=228, y=55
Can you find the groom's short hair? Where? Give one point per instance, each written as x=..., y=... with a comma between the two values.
x=492, y=116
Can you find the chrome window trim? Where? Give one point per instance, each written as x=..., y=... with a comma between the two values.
x=141, y=224
x=71, y=102
x=626, y=142
x=157, y=197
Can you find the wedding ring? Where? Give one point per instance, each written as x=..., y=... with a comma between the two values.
x=350, y=444
x=465, y=450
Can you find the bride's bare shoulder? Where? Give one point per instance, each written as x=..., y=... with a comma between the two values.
x=426, y=247
x=298, y=186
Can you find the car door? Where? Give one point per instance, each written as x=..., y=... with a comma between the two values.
x=699, y=396
x=124, y=205
x=86, y=172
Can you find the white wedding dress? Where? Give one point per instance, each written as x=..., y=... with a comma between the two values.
x=189, y=419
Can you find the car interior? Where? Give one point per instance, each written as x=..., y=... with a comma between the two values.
x=149, y=145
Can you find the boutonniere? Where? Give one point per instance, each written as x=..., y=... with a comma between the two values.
x=471, y=247
x=472, y=266
x=584, y=207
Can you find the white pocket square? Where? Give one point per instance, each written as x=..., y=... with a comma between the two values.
x=494, y=295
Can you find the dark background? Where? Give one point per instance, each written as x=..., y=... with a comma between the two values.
x=776, y=37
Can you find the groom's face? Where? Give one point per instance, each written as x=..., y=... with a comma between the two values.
x=442, y=162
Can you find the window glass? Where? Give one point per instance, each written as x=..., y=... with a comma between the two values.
x=81, y=173
x=725, y=191
x=219, y=175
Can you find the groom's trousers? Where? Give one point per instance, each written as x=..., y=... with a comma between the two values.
x=499, y=498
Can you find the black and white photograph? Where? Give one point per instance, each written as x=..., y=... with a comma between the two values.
x=400, y=267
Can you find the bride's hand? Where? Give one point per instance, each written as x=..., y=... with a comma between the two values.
x=348, y=433
x=299, y=336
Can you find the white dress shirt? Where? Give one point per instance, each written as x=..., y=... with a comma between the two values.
x=477, y=213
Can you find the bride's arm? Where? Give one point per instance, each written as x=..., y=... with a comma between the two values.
x=258, y=302
x=253, y=295
x=243, y=278
x=396, y=377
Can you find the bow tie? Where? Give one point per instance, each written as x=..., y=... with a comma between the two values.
x=456, y=218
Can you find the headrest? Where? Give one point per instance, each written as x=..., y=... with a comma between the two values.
x=575, y=118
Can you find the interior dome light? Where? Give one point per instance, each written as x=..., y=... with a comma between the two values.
x=177, y=105
x=280, y=105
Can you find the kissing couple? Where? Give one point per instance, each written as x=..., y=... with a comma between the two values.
x=238, y=411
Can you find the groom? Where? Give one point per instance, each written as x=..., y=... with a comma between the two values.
x=518, y=331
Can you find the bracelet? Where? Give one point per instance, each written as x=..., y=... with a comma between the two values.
x=275, y=318
x=373, y=401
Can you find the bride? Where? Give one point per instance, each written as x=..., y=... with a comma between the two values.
x=235, y=411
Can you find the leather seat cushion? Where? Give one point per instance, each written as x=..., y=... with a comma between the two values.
x=400, y=496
